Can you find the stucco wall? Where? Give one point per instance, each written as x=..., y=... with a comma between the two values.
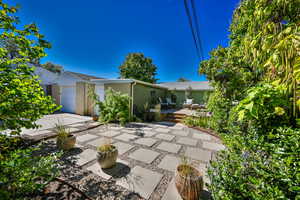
x=142, y=94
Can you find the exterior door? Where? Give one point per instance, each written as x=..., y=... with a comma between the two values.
x=68, y=99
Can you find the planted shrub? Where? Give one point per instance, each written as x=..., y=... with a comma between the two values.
x=197, y=121
x=115, y=107
x=23, y=173
x=261, y=167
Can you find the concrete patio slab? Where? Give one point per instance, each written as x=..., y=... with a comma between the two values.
x=171, y=192
x=162, y=130
x=165, y=136
x=123, y=147
x=187, y=141
x=144, y=155
x=169, y=147
x=141, y=180
x=49, y=121
x=108, y=173
x=149, y=133
x=86, y=137
x=169, y=163
x=116, y=128
x=109, y=133
x=198, y=154
x=201, y=136
x=180, y=133
x=213, y=146
x=85, y=157
x=126, y=137
x=146, y=141
x=100, y=141
x=128, y=131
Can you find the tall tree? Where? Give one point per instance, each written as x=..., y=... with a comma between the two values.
x=22, y=100
x=139, y=67
x=53, y=67
x=182, y=79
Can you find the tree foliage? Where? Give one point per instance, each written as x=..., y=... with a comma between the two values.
x=53, y=67
x=255, y=104
x=22, y=102
x=22, y=99
x=139, y=67
x=115, y=107
x=182, y=79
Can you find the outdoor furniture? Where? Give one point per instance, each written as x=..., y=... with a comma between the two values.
x=163, y=104
x=170, y=103
x=188, y=103
x=195, y=106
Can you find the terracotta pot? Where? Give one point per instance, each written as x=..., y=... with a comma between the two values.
x=189, y=186
x=107, y=159
x=95, y=118
x=66, y=143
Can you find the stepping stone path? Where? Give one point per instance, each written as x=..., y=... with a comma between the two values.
x=148, y=155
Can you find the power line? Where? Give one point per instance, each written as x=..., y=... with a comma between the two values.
x=192, y=28
x=197, y=28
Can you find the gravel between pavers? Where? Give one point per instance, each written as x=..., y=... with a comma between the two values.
x=90, y=183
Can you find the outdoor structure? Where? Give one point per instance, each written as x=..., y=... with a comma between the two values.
x=140, y=92
x=72, y=91
x=197, y=90
x=63, y=87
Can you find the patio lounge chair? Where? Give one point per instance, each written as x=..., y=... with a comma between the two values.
x=170, y=103
x=163, y=103
x=188, y=103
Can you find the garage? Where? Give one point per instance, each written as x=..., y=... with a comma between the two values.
x=68, y=99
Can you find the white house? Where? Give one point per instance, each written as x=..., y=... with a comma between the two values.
x=64, y=86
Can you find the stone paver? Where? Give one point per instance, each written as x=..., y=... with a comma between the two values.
x=75, y=125
x=129, y=131
x=126, y=137
x=165, y=136
x=108, y=173
x=171, y=192
x=85, y=156
x=213, y=146
x=109, y=133
x=100, y=141
x=169, y=163
x=169, y=147
x=116, y=128
x=198, y=154
x=149, y=133
x=73, y=129
x=162, y=130
x=146, y=128
x=201, y=136
x=147, y=167
x=144, y=155
x=123, y=147
x=86, y=137
x=187, y=141
x=179, y=133
x=146, y=141
x=141, y=180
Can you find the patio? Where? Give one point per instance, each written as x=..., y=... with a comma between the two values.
x=148, y=156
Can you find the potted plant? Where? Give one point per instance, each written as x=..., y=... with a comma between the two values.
x=188, y=181
x=64, y=140
x=107, y=155
x=95, y=118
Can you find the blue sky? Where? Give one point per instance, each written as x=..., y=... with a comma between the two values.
x=94, y=36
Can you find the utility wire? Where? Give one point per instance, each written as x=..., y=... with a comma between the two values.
x=192, y=28
x=197, y=28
